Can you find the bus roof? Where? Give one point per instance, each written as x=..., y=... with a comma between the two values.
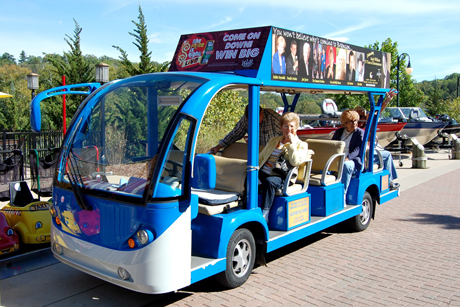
x=270, y=54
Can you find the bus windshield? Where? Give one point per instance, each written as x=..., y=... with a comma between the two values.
x=117, y=134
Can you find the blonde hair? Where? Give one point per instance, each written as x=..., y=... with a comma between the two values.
x=348, y=115
x=281, y=40
x=290, y=117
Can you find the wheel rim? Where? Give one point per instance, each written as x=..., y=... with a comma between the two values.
x=241, y=257
x=366, y=214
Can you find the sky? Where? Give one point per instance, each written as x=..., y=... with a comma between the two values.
x=426, y=30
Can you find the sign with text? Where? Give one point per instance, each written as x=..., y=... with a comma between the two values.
x=300, y=57
x=298, y=212
x=221, y=51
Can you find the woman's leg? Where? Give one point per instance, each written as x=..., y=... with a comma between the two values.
x=348, y=169
x=269, y=187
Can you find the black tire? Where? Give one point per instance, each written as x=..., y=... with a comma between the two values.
x=241, y=254
x=362, y=221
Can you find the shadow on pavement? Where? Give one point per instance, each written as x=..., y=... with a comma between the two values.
x=447, y=221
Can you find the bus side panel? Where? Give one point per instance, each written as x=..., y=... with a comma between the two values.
x=211, y=234
x=358, y=186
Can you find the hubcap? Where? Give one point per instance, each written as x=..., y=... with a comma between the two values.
x=366, y=214
x=241, y=257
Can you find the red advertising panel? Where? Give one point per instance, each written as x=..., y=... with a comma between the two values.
x=300, y=57
x=221, y=51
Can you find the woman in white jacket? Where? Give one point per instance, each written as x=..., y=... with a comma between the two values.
x=295, y=152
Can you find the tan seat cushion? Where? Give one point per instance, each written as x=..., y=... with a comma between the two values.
x=211, y=210
x=295, y=188
x=230, y=174
x=238, y=150
x=324, y=149
x=315, y=179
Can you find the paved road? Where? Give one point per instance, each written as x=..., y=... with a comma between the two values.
x=408, y=256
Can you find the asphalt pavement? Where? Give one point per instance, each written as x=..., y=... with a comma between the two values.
x=409, y=256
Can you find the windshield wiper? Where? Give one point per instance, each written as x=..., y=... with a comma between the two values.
x=76, y=182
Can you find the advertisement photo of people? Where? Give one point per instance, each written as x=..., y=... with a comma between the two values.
x=305, y=58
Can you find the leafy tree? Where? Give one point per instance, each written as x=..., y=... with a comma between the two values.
x=146, y=65
x=22, y=57
x=14, y=113
x=74, y=66
x=7, y=58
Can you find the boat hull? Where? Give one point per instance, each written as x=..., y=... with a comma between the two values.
x=386, y=132
x=424, y=132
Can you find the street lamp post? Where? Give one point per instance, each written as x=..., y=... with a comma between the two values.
x=408, y=71
x=32, y=83
x=102, y=76
x=102, y=73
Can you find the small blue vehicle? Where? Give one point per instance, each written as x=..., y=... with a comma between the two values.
x=143, y=213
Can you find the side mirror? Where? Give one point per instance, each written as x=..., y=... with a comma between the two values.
x=204, y=172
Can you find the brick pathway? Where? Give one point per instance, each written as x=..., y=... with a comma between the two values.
x=409, y=256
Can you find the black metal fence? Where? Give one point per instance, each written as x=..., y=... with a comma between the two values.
x=27, y=140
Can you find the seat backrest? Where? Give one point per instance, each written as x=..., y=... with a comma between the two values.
x=324, y=149
x=329, y=108
x=230, y=174
x=20, y=194
x=414, y=114
x=238, y=150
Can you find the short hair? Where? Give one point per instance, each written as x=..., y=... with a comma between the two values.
x=293, y=42
x=289, y=117
x=348, y=115
x=360, y=58
x=246, y=111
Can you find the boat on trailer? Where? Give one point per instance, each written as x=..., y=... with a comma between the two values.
x=418, y=125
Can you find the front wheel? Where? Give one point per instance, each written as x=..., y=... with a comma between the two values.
x=362, y=221
x=241, y=253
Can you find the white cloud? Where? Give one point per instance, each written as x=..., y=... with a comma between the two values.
x=155, y=38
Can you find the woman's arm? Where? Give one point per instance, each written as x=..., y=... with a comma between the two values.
x=297, y=153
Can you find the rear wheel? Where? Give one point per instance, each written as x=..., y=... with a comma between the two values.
x=241, y=252
x=362, y=221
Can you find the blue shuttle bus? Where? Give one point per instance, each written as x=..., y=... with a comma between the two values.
x=134, y=202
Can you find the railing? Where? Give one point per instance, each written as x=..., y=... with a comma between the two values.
x=26, y=140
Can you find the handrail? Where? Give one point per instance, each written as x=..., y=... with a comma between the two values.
x=35, y=113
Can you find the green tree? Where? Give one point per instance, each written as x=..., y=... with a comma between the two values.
x=141, y=42
x=14, y=113
x=7, y=59
x=22, y=57
x=76, y=69
x=73, y=65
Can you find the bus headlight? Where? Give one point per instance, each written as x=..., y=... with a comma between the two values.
x=123, y=274
x=38, y=225
x=57, y=248
x=144, y=236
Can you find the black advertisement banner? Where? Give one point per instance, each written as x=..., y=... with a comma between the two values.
x=300, y=57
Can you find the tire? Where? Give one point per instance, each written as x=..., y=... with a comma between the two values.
x=362, y=221
x=241, y=253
